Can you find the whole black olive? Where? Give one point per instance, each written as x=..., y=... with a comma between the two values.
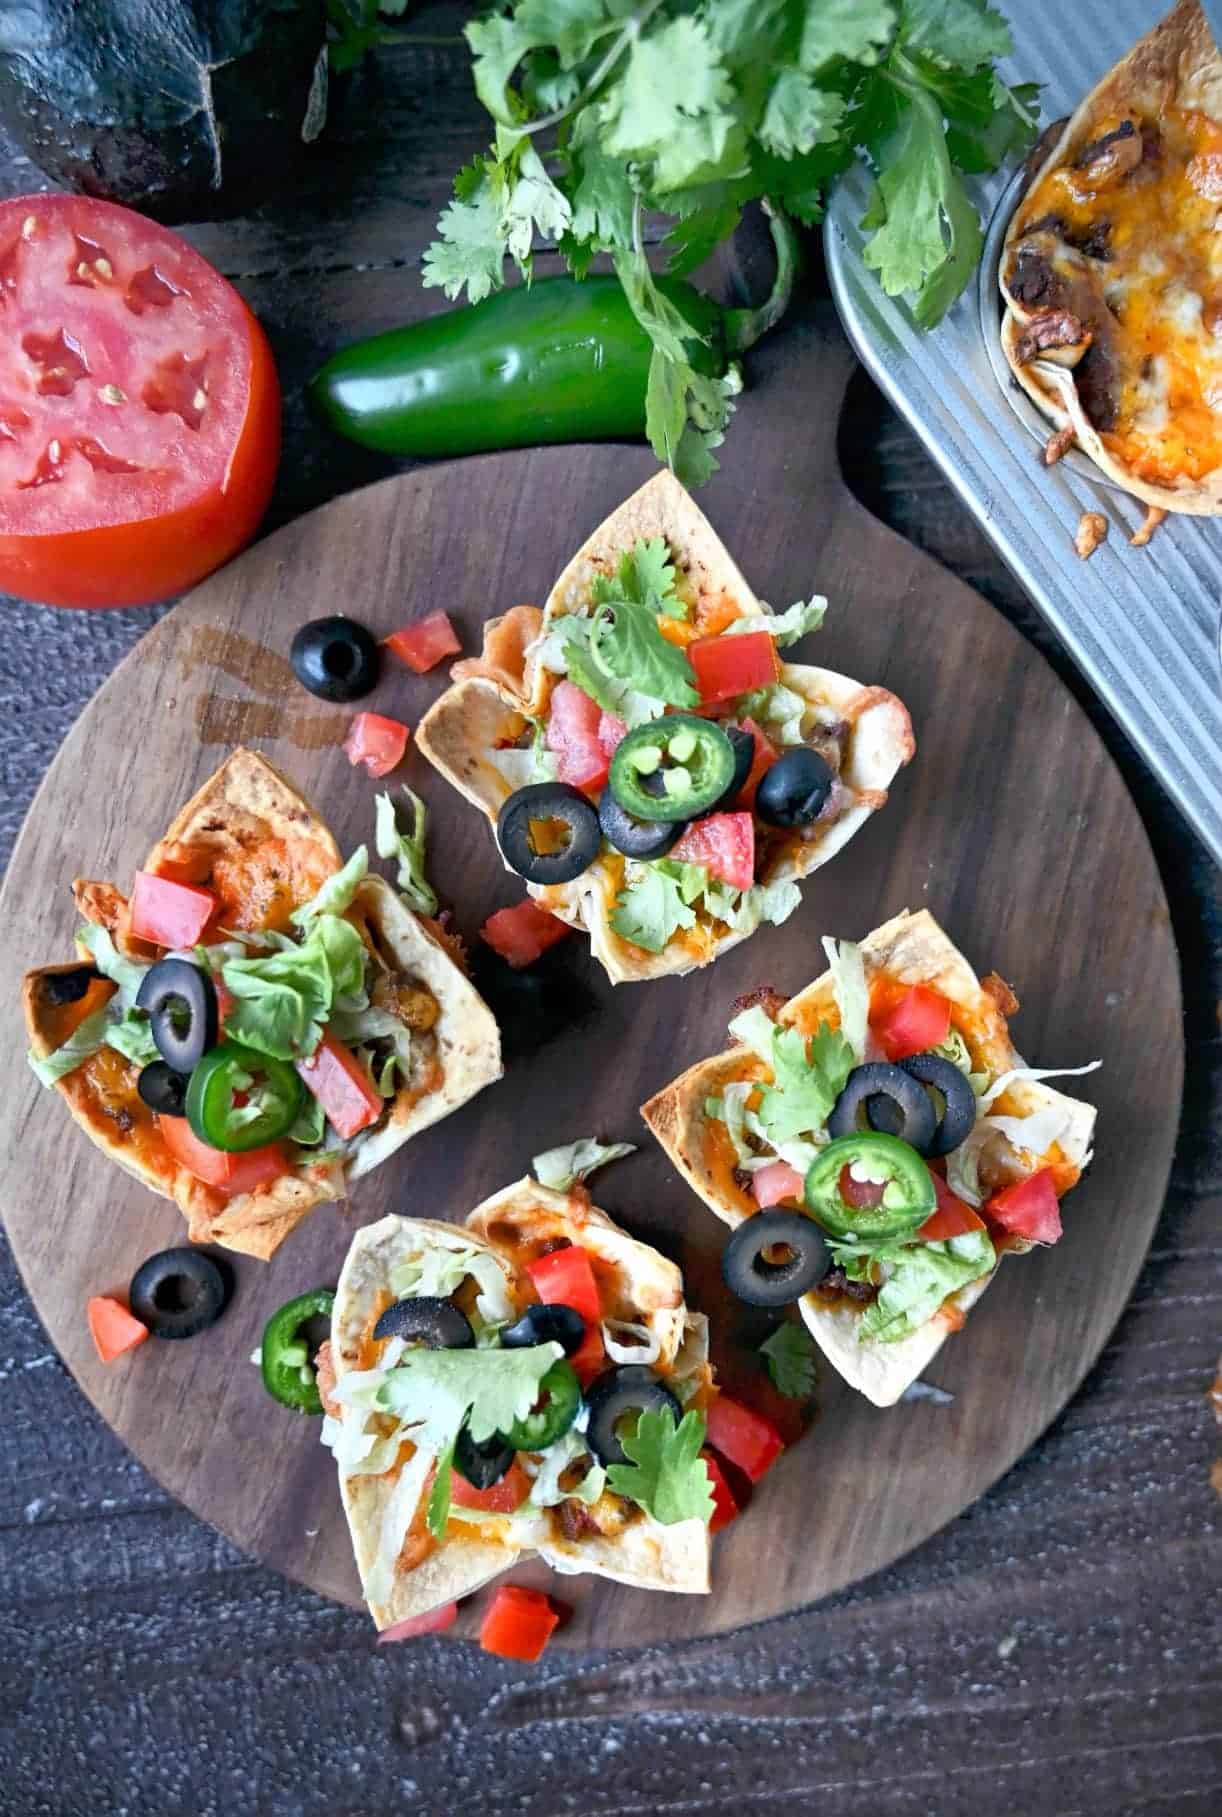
x=751, y=1274
x=547, y=1324
x=335, y=658
x=617, y=1395
x=162, y=1089
x=434, y=1323
x=67, y=984
x=636, y=838
x=893, y=1102
x=959, y=1115
x=180, y=1000
x=744, y=756
x=548, y=801
x=793, y=792
x=178, y=1292
x=485, y=1463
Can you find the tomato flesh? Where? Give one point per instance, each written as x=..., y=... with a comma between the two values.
x=725, y=1508
x=573, y=724
x=347, y=1094
x=169, y=914
x=765, y=756
x=229, y=1173
x=728, y=666
x=772, y=1184
x=919, y=1020
x=590, y=1356
x=1030, y=1208
x=423, y=645
x=434, y=1622
x=518, y=1623
x=139, y=407
x=724, y=844
x=950, y=1218
x=113, y=1328
x=377, y=742
x=502, y=1498
x=742, y=1436
x=523, y=933
x=564, y=1277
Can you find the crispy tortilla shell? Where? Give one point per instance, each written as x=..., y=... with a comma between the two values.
x=914, y=950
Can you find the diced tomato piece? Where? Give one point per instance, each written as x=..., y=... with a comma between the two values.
x=724, y=844
x=1029, y=1208
x=778, y=1181
x=728, y=666
x=518, y=1623
x=434, y=1622
x=572, y=735
x=765, y=756
x=746, y=1438
x=521, y=934
x=725, y=1508
x=950, y=1217
x=377, y=742
x=230, y=1174
x=502, y=1498
x=113, y=1328
x=610, y=732
x=347, y=1094
x=590, y=1355
x=423, y=644
x=564, y=1277
x=919, y=1020
x=167, y=913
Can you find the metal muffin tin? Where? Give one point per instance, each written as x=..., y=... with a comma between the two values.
x=1144, y=625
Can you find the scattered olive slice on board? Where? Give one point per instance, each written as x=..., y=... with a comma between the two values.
x=335, y=658
x=794, y=791
x=178, y=1292
x=891, y=1099
x=180, y=1001
x=162, y=1089
x=617, y=1395
x=760, y=1280
x=636, y=838
x=547, y=1323
x=541, y=804
x=959, y=1116
x=431, y=1322
x=482, y=1464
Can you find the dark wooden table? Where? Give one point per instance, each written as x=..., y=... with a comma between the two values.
x=1055, y=1650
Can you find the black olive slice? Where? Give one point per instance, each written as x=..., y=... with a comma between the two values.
x=67, y=984
x=636, y=838
x=959, y=1115
x=335, y=658
x=743, y=746
x=893, y=1102
x=178, y=1292
x=541, y=802
x=482, y=1464
x=547, y=1324
x=180, y=1000
x=162, y=1089
x=616, y=1395
x=434, y=1323
x=794, y=791
x=760, y=1280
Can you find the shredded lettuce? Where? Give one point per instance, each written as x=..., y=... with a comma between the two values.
x=955, y=1049
x=128, y=974
x=1034, y=1073
x=918, y=1277
x=522, y=766
x=851, y=992
x=408, y=848
x=546, y=1491
x=83, y=1042
x=284, y=999
x=560, y=1168
x=778, y=710
x=436, y=1273
x=627, y=1341
x=133, y=1038
x=336, y=893
x=311, y=1125
x=755, y=1028
x=786, y=627
x=356, y=1026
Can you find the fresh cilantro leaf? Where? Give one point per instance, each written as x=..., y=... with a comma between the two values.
x=805, y=1081
x=696, y=236
x=603, y=196
x=672, y=97
x=434, y=1391
x=855, y=29
x=790, y=1357
x=533, y=203
x=575, y=27
x=963, y=33
x=471, y=250
x=666, y=1475
x=625, y=642
x=798, y=116
x=749, y=32
x=927, y=235
x=651, y=910
x=498, y=45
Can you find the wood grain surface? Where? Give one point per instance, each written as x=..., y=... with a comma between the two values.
x=1054, y=1649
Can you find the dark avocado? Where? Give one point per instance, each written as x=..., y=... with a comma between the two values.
x=184, y=109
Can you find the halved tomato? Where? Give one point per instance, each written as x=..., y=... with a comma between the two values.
x=139, y=407
x=573, y=725
x=422, y=645
x=724, y=844
x=229, y=1173
x=377, y=742
x=521, y=934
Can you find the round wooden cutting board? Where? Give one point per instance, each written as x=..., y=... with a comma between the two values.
x=1011, y=825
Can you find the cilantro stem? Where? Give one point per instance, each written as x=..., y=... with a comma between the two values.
x=745, y=326
x=634, y=25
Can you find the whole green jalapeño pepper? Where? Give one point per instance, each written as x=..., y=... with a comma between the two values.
x=559, y=1404
x=238, y=1099
x=881, y=1168
x=672, y=768
x=288, y=1374
x=555, y=361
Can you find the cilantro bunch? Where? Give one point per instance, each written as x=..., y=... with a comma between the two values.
x=609, y=112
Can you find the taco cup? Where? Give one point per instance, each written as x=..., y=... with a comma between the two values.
x=906, y=1241
x=1109, y=272
x=543, y=706
x=392, y=1036
x=395, y=1431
